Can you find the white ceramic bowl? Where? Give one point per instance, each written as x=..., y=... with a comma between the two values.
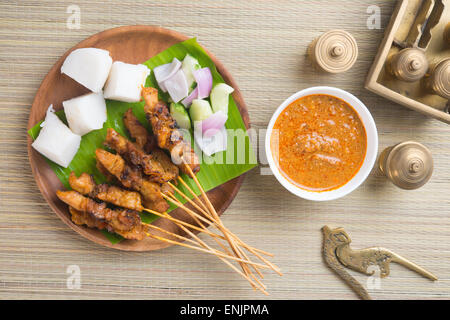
x=371, y=152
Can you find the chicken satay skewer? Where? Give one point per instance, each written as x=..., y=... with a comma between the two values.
x=132, y=178
x=100, y=211
x=81, y=203
x=138, y=132
x=86, y=185
x=170, y=138
x=133, y=154
x=148, y=143
x=166, y=132
x=123, y=221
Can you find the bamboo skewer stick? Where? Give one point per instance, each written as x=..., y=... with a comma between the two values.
x=211, y=207
x=192, y=192
x=217, y=241
x=208, y=247
x=184, y=223
x=180, y=205
x=208, y=216
x=221, y=256
x=231, y=233
x=210, y=252
x=214, y=214
x=180, y=224
x=190, y=240
x=170, y=233
x=187, y=198
x=194, y=215
x=202, y=225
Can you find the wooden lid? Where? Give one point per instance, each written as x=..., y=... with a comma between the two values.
x=409, y=65
x=335, y=51
x=440, y=79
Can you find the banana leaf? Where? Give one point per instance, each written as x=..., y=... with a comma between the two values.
x=215, y=170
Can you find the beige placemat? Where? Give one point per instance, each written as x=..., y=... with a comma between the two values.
x=263, y=44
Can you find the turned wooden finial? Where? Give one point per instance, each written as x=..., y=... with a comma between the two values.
x=408, y=65
x=334, y=51
x=409, y=165
x=447, y=34
x=439, y=80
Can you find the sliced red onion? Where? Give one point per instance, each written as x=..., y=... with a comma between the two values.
x=166, y=71
x=188, y=100
x=177, y=86
x=213, y=144
x=214, y=123
x=204, y=80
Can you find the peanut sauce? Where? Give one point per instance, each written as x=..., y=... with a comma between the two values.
x=319, y=142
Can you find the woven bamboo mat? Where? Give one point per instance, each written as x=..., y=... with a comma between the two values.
x=263, y=44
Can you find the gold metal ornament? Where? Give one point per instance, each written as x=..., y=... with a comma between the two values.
x=447, y=35
x=409, y=165
x=339, y=255
x=334, y=51
x=420, y=26
x=439, y=80
x=408, y=65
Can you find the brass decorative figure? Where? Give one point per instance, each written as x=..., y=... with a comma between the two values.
x=417, y=36
x=338, y=254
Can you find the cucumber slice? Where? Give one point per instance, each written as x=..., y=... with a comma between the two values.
x=189, y=65
x=220, y=97
x=180, y=115
x=200, y=110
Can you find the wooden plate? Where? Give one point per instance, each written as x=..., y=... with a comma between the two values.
x=132, y=44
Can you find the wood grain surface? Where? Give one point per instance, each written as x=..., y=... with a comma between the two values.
x=263, y=45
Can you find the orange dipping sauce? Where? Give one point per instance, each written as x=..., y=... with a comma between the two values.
x=319, y=142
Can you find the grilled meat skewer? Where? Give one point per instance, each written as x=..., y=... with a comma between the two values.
x=132, y=178
x=168, y=136
x=86, y=185
x=139, y=133
x=148, y=143
x=109, y=177
x=84, y=218
x=133, y=154
x=123, y=221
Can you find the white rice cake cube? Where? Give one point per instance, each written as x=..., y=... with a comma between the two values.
x=89, y=67
x=56, y=141
x=85, y=113
x=125, y=81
